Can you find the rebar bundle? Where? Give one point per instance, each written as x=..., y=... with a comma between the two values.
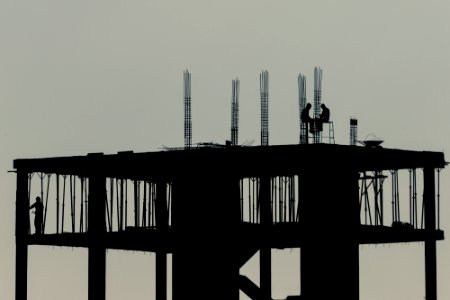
x=235, y=112
x=187, y=110
x=301, y=105
x=353, y=131
x=264, y=90
x=317, y=102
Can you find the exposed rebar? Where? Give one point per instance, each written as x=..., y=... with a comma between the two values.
x=301, y=106
x=317, y=102
x=187, y=110
x=353, y=131
x=264, y=90
x=235, y=112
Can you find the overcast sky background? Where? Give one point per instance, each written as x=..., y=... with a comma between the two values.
x=106, y=76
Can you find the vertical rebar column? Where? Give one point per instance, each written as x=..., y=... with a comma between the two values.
x=187, y=110
x=264, y=90
x=235, y=112
x=317, y=102
x=22, y=225
x=301, y=106
x=353, y=131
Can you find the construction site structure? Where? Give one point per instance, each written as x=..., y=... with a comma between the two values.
x=212, y=207
x=325, y=199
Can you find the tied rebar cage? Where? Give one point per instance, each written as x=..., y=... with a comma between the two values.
x=235, y=112
x=301, y=105
x=317, y=102
x=187, y=110
x=353, y=131
x=264, y=90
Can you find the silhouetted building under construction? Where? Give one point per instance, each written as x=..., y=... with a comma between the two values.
x=212, y=207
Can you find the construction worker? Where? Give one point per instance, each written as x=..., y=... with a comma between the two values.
x=306, y=118
x=324, y=116
x=38, y=215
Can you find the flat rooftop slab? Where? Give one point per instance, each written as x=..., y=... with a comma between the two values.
x=245, y=161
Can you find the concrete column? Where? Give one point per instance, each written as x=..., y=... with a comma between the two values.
x=96, y=236
x=205, y=219
x=430, y=227
x=22, y=225
x=162, y=225
x=265, y=255
x=329, y=216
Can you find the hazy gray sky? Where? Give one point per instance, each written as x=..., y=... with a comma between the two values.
x=106, y=76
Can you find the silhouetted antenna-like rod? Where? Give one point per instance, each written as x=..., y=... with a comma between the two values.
x=353, y=131
x=301, y=106
x=264, y=90
x=187, y=110
x=235, y=112
x=317, y=101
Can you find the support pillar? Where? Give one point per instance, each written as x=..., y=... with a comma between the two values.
x=162, y=225
x=96, y=236
x=205, y=220
x=329, y=214
x=22, y=225
x=430, y=227
x=265, y=253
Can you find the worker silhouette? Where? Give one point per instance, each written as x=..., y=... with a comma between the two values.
x=306, y=119
x=324, y=116
x=38, y=215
